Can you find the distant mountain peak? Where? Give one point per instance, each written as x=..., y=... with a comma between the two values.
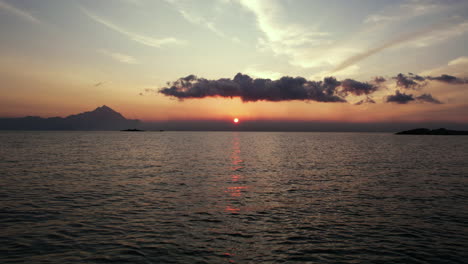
x=101, y=118
x=101, y=113
x=104, y=108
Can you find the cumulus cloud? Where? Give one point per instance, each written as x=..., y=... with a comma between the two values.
x=287, y=88
x=414, y=81
x=252, y=90
x=350, y=86
x=403, y=98
x=400, y=98
x=448, y=79
x=409, y=81
x=379, y=79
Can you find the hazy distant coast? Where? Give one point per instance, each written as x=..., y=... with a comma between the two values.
x=107, y=119
x=426, y=131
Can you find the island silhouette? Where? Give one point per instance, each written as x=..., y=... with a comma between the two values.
x=101, y=118
x=426, y=131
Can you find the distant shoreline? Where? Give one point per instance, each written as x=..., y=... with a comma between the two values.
x=438, y=132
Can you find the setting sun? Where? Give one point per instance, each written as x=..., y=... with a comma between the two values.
x=236, y=120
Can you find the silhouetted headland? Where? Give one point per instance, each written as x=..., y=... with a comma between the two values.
x=132, y=130
x=102, y=118
x=426, y=131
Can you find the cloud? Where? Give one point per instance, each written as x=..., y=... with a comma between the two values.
x=459, y=61
x=379, y=18
x=195, y=19
x=414, y=82
x=298, y=88
x=409, y=81
x=19, y=12
x=350, y=86
x=133, y=2
x=457, y=67
x=284, y=38
x=429, y=35
x=448, y=79
x=368, y=100
x=402, y=98
x=252, y=90
x=389, y=44
x=379, y=79
x=428, y=99
x=98, y=84
x=142, y=39
x=440, y=35
x=120, y=57
x=407, y=10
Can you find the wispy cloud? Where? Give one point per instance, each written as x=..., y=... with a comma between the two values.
x=407, y=10
x=458, y=61
x=142, y=39
x=442, y=35
x=292, y=40
x=444, y=28
x=196, y=19
x=120, y=57
x=18, y=12
x=380, y=18
x=134, y=2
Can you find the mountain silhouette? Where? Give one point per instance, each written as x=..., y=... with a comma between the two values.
x=101, y=118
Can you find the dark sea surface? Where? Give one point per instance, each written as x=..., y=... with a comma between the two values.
x=232, y=197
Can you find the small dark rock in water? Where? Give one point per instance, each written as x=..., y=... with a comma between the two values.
x=425, y=131
x=132, y=130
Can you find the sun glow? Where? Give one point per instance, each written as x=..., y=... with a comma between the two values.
x=236, y=120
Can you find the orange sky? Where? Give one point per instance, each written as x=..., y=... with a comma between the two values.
x=100, y=55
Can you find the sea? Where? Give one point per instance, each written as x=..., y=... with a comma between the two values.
x=232, y=197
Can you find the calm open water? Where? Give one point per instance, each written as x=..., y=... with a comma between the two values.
x=232, y=197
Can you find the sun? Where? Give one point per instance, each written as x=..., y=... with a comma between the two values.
x=236, y=120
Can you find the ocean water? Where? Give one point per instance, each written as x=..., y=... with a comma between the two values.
x=232, y=197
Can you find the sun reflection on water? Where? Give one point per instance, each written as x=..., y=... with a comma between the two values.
x=234, y=190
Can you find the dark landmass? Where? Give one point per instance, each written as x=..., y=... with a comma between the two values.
x=264, y=125
x=132, y=130
x=426, y=131
x=102, y=118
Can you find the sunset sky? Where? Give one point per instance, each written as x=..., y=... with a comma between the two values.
x=65, y=57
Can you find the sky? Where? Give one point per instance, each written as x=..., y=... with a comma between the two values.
x=328, y=61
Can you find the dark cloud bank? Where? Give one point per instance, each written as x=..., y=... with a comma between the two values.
x=298, y=88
